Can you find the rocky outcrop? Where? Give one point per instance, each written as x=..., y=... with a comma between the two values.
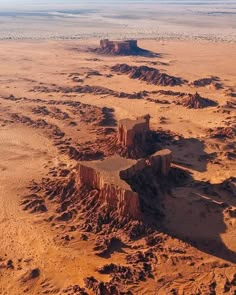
x=115, y=194
x=133, y=132
x=230, y=92
x=111, y=177
x=126, y=47
x=74, y=290
x=147, y=74
x=160, y=162
x=101, y=288
x=134, y=138
x=119, y=47
x=195, y=101
x=87, y=89
x=109, y=194
x=223, y=132
x=230, y=186
x=211, y=81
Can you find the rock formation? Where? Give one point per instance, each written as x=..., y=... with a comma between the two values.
x=147, y=74
x=134, y=139
x=112, y=175
x=211, y=81
x=119, y=47
x=230, y=92
x=223, y=132
x=195, y=101
x=132, y=132
x=126, y=47
x=87, y=89
x=109, y=191
x=160, y=162
x=114, y=193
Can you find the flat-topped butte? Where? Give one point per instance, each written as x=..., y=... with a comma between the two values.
x=123, y=47
x=133, y=132
x=110, y=177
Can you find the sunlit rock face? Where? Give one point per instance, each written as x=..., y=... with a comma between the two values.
x=119, y=47
x=112, y=177
x=133, y=132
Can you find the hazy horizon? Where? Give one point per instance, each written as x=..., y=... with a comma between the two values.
x=54, y=4
x=45, y=19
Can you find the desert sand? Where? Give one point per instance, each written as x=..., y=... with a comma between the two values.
x=211, y=20
x=60, y=103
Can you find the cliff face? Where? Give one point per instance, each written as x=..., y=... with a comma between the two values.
x=160, y=163
x=126, y=47
x=114, y=192
x=118, y=47
x=106, y=194
x=116, y=198
x=133, y=132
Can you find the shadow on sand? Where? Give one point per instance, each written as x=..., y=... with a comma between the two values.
x=197, y=212
x=189, y=153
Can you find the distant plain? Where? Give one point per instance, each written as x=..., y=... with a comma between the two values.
x=211, y=20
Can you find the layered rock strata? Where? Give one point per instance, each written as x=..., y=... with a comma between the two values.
x=111, y=177
x=119, y=47
x=147, y=74
x=126, y=47
x=114, y=193
x=132, y=132
x=195, y=101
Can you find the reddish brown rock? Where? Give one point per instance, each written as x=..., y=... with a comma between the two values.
x=223, y=132
x=119, y=47
x=195, y=101
x=30, y=275
x=147, y=74
x=125, y=47
x=76, y=290
x=101, y=288
x=210, y=81
x=111, y=176
x=132, y=132
x=113, y=191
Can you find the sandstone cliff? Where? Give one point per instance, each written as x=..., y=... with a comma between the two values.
x=160, y=163
x=113, y=179
x=133, y=132
x=126, y=47
x=113, y=193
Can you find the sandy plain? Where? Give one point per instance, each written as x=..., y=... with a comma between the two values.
x=203, y=20
x=197, y=254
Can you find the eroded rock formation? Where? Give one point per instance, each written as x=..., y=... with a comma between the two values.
x=223, y=132
x=195, y=101
x=87, y=89
x=211, y=81
x=147, y=74
x=111, y=191
x=119, y=47
x=114, y=193
x=111, y=176
x=126, y=47
x=133, y=132
x=134, y=139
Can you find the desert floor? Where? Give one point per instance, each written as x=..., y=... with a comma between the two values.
x=198, y=254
